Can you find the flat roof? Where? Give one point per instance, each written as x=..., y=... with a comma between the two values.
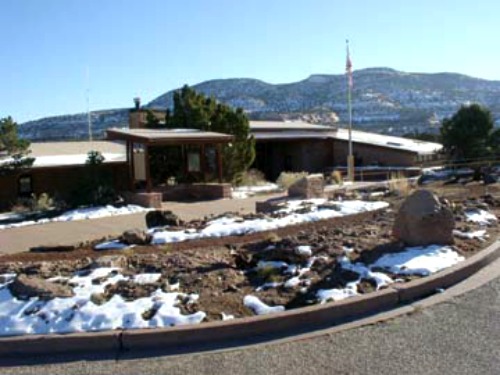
x=388, y=141
x=58, y=154
x=291, y=135
x=167, y=136
x=287, y=125
x=288, y=130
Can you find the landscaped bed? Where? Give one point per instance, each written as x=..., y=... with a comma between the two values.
x=203, y=271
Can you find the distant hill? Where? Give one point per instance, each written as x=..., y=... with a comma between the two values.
x=384, y=100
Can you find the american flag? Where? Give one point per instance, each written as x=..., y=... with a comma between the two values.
x=348, y=66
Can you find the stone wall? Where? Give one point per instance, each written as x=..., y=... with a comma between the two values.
x=183, y=192
x=308, y=187
x=151, y=200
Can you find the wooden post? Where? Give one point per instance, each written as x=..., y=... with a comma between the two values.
x=219, y=162
x=149, y=185
x=203, y=162
x=130, y=160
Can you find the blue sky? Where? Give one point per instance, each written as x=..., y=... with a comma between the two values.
x=147, y=47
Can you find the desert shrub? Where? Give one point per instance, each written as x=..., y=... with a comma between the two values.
x=336, y=178
x=252, y=177
x=273, y=237
x=399, y=184
x=42, y=202
x=269, y=274
x=287, y=179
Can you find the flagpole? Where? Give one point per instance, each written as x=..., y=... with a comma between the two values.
x=89, y=118
x=350, y=157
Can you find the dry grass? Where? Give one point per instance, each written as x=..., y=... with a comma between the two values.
x=399, y=185
x=287, y=179
x=42, y=202
x=252, y=177
x=336, y=178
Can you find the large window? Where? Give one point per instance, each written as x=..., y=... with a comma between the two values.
x=194, y=162
x=25, y=185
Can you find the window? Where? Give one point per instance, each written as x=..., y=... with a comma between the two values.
x=194, y=164
x=25, y=185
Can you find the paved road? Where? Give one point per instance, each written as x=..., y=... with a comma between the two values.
x=458, y=336
x=70, y=233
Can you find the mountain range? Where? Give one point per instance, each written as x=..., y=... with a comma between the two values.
x=384, y=100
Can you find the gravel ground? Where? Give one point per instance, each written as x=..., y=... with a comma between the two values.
x=459, y=336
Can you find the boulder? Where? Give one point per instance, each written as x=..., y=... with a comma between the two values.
x=135, y=237
x=423, y=220
x=160, y=218
x=312, y=186
x=24, y=287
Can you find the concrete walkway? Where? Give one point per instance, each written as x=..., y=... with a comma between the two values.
x=459, y=335
x=74, y=232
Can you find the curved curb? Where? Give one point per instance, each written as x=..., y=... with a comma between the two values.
x=259, y=328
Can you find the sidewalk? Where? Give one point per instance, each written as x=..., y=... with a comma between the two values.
x=17, y=240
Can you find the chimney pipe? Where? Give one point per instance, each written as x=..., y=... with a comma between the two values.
x=137, y=102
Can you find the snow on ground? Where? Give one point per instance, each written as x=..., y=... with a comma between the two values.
x=479, y=234
x=259, y=307
x=80, y=314
x=83, y=214
x=111, y=245
x=296, y=271
x=242, y=192
x=421, y=261
x=480, y=216
x=231, y=226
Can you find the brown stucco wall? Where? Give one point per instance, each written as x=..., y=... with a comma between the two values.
x=370, y=154
x=59, y=182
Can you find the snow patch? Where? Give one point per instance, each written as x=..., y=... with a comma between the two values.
x=479, y=234
x=480, y=216
x=242, y=192
x=83, y=214
x=259, y=307
x=234, y=226
x=80, y=314
x=419, y=260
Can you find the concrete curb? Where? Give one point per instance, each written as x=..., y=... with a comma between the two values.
x=108, y=341
x=279, y=323
x=184, y=338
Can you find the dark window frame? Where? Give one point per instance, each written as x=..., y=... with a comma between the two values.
x=20, y=185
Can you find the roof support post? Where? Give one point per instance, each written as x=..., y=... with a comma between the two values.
x=219, y=162
x=130, y=162
x=203, y=162
x=149, y=184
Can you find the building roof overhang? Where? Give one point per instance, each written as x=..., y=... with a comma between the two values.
x=167, y=136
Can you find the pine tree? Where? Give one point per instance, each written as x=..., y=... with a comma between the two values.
x=196, y=111
x=468, y=133
x=13, y=150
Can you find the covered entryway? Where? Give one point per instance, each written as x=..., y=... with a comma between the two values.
x=174, y=162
